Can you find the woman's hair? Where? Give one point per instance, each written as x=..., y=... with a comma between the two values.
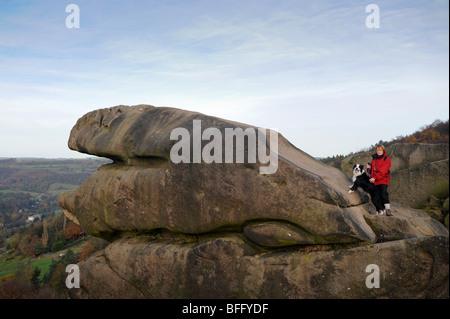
x=380, y=146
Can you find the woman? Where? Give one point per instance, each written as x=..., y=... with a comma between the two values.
x=380, y=174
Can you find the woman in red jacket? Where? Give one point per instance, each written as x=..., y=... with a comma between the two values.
x=379, y=170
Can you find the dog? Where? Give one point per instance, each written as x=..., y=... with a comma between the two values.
x=361, y=179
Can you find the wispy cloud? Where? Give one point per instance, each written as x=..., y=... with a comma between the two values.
x=301, y=66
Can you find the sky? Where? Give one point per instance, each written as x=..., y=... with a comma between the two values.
x=316, y=71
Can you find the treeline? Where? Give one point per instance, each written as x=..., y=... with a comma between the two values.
x=37, y=175
x=16, y=207
x=86, y=163
x=32, y=284
x=434, y=133
x=48, y=236
x=37, y=181
x=31, y=186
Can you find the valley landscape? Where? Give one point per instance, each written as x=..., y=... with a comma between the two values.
x=34, y=235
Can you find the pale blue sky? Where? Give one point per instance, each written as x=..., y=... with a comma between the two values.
x=310, y=69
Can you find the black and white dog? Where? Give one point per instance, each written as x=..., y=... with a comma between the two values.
x=361, y=179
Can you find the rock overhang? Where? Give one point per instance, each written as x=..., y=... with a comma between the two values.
x=144, y=190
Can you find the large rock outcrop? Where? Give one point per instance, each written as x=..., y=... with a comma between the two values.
x=224, y=230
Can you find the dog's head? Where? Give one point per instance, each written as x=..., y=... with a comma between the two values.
x=358, y=169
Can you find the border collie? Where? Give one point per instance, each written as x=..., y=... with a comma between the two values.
x=361, y=179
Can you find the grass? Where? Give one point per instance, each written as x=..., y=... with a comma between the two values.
x=77, y=247
x=61, y=186
x=10, y=262
x=11, y=191
x=54, y=189
x=8, y=191
x=57, y=188
x=43, y=265
x=24, y=264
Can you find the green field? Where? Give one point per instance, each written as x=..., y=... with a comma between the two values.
x=42, y=264
x=58, y=188
x=24, y=265
x=13, y=262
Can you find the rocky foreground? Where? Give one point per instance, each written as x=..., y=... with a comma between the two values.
x=224, y=230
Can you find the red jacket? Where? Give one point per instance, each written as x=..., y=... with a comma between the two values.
x=380, y=169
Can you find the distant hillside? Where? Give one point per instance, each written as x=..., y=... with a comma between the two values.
x=31, y=186
x=434, y=133
x=36, y=240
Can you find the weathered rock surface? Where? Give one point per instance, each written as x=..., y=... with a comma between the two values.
x=224, y=230
x=227, y=267
x=408, y=223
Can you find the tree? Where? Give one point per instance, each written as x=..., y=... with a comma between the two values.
x=39, y=249
x=69, y=258
x=45, y=233
x=72, y=230
x=35, y=278
x=88, y=249
x=51, y=269
x=57, y=281
x=16, y=287
x=58, y=246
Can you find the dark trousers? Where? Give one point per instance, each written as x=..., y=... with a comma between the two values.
x=382, y=189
